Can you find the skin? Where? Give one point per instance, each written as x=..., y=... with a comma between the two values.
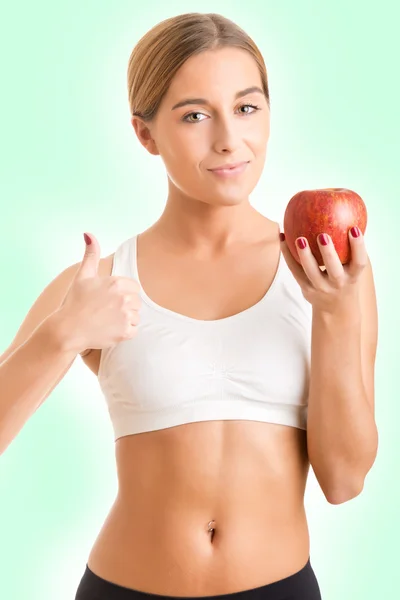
x=247, y=477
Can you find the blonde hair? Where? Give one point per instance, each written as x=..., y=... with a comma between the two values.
x=163, y=49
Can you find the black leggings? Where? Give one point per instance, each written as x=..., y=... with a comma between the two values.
x=302, y=585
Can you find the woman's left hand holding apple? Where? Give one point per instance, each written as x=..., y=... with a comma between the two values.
x=335, y=289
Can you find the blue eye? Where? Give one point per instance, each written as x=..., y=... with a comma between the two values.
x=186, y=117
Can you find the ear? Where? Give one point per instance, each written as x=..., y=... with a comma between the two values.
x=144, y=135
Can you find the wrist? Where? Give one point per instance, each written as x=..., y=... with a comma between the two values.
x=57, y=328
x=343, y=316
x=346, y=310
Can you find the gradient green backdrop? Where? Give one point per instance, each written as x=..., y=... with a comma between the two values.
x=70, y=162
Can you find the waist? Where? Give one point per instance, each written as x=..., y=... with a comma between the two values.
x=200, y=552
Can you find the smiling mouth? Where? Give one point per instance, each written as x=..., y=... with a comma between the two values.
x=230, y=171
x=231, y=166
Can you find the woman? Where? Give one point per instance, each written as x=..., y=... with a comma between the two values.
x=237, y=366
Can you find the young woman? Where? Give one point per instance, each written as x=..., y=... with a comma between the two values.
x=228, y=368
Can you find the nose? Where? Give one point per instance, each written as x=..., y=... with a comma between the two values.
x=227, y=134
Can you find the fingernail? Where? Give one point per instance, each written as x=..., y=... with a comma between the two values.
x=282, y=237
x=323, y=239
x=301, y=243
x=355, y=232
x=87, y=239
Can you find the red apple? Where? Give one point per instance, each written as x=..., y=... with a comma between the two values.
x=331, y=210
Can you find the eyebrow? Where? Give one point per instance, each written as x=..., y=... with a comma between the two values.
x=240, y=94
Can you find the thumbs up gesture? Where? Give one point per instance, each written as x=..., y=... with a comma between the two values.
x=100, y=311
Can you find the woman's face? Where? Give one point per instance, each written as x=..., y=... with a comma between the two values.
x=217, y=130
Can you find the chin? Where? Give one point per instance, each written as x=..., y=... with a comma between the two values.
x=228, y=200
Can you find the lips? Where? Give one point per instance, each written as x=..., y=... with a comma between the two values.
x=230, y=173
x=230, y=166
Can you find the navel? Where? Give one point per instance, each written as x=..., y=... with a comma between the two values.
x=211, y=529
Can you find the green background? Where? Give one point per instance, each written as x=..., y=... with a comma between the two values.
x=71, y=162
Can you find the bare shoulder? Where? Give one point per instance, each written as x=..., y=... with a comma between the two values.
x=49, y=301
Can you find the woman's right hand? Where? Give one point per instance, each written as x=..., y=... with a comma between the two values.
x=99, y=311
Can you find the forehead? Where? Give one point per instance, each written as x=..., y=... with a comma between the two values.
x=225, y=70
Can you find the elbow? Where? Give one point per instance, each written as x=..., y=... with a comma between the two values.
x=339, y=495
x=343, y=488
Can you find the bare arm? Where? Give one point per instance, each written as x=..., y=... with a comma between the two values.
x=342, y=433
x=30, y=373
x=50, y=338
x=36, y=360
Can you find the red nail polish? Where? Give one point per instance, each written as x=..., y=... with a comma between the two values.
x=282, y=237
x=87, y=239
x=301, y=243
x=323, y=239
x=355, y=232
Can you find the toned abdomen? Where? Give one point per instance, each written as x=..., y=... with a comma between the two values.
x=206, y=508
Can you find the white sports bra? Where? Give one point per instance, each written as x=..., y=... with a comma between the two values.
x=253, y=365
